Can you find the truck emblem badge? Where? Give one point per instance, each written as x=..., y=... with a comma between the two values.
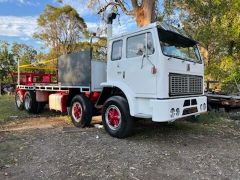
x=188, y=67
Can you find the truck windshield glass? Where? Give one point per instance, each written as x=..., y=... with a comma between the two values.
x=177, y=46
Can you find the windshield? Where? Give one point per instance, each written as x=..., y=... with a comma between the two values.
x=178, y=46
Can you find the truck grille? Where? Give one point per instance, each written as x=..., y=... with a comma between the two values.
x=182, y=84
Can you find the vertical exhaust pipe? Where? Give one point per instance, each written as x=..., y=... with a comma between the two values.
x=110, y=19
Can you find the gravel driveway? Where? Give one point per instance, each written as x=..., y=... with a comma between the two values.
x=182, y=150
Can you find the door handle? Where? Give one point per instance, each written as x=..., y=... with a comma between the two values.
x=123, y=74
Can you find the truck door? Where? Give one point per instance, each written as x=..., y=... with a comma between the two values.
x=139, y=64
x=114, y=70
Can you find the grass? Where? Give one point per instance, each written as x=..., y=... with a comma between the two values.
x=9, y=111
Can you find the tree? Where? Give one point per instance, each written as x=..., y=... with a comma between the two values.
x=61, y=28
x=24, y=53
x=7, y=62
x=10, y=55
x=144, y=11
x=215, y=24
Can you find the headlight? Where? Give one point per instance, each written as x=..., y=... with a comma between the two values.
x=201, y=107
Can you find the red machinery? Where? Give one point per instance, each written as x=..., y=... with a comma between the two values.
x=31, y=78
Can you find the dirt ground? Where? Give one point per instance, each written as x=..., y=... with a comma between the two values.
x=51, y=148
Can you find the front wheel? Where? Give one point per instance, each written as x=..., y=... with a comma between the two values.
x=116, y=117
x=81, y=111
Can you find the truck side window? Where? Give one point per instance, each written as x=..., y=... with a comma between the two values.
x=116, y=50
x=136, y=45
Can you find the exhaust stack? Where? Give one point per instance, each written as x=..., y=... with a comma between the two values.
x=110, y=19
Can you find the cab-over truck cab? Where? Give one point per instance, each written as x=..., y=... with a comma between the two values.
x=154, y=72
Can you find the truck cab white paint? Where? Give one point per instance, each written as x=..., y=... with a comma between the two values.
x=144, y=76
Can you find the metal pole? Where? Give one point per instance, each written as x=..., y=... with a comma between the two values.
x=18, y=72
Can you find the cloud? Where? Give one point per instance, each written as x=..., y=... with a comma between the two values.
x=24, y=27
x=18, y=26
x=21, y=2
x=25, y=38
x=81, y=6
x=124, y=24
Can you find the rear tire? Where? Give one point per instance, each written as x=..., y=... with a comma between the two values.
x=116, y=117
x=19, y=103
x=81, y=111
x=30, y=103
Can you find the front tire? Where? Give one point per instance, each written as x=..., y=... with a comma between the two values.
x=81, y=111
x=116, y=117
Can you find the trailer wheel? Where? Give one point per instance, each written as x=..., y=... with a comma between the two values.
x=81, y=111
x=30, y=103
x=19, y=103
x=116, y=117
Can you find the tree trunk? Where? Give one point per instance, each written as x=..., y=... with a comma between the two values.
x=145, y=14
x=0, y=87
x=205, y=55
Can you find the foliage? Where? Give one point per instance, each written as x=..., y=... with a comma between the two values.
x=61, y=28
x=9, y=56
x=216, y=25
x=7, y=62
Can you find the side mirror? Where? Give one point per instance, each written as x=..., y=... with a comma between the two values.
x=140, y=52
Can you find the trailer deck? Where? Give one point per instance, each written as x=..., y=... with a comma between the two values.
x=53, y=87
x=223, y=101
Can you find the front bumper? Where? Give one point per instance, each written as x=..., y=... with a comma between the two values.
x=171, y=109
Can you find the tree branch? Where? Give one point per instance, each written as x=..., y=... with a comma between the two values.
x=134, y=4
x=118, y=3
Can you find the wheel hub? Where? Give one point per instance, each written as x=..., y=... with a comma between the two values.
x=27, y=102
x=113, y=117
x=77, y=111
x=18, y=101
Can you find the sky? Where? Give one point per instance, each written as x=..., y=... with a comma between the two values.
x=18, y=20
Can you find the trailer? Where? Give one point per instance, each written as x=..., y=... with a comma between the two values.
x=228, y=102
x=154, y=72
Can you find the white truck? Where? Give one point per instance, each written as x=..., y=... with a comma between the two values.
x=152, y=73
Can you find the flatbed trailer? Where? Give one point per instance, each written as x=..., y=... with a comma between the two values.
x=32, y=96
x=228, y=102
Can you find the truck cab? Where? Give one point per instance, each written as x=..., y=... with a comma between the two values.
x=158, y=71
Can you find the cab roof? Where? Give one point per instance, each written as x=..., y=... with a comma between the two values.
x=161, y=25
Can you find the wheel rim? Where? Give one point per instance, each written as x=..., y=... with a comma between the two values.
x=77, y=111
x=18, y=101
x=27, y=102
x=113, y=117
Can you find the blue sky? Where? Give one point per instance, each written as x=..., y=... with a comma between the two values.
x=18, y=19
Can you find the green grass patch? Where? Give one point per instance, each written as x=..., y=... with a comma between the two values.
x=216, y=119
x=9, y=111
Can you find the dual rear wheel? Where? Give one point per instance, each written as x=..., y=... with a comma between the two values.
x=29, y=102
